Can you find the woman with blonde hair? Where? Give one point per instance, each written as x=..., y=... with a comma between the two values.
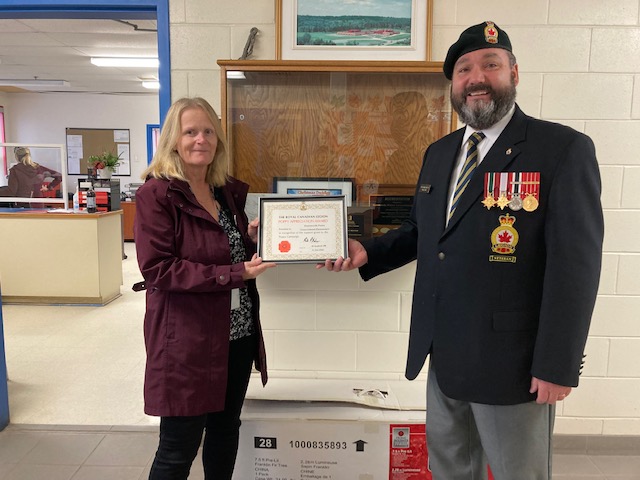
x=196, y=251
x=28, y=179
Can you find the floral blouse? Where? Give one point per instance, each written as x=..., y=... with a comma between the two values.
x=241, y=319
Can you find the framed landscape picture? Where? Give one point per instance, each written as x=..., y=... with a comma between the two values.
x=316, y=187
x=375, y=30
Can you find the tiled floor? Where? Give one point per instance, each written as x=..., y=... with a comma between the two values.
x=75, y=394
x=34, y=453
x=58, y=354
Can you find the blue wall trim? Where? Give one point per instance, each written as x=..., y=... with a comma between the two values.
x=109, y=9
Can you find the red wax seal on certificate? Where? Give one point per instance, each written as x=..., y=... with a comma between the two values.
x=284, y=246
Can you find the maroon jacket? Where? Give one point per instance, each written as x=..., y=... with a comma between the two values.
x=26, y=181
x=185, y=259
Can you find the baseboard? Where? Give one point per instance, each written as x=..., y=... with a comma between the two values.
x=44, y=300
x=596, y=444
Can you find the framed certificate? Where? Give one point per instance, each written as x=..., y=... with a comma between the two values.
x=302, y=229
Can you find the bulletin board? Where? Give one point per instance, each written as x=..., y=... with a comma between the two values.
x=84, y=142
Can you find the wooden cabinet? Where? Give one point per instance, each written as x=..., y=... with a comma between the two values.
x=369, y=122
x=129, y=214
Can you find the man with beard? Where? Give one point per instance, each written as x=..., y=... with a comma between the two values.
x=507, y=231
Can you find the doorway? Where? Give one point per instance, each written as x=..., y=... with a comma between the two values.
x=106, y=9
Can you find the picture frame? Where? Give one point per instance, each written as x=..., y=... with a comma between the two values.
x=316, y=186
x=379, y=44
x=306, y=229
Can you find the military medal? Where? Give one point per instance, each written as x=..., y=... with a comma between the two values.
x=489, y=201
x=503, y=201
x=515, y=203
x=517, y=190
x=531, y=186
x=530, y=203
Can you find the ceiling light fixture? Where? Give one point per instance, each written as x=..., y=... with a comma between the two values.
x=235, y=75
x=34, y=84
x=151, y=84
x=144, y=62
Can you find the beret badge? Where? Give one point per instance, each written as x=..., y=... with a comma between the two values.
x=491, y=33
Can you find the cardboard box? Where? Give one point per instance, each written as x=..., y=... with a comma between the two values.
x=334, y=430
x=329, y=450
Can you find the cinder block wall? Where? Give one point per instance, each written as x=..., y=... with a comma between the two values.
x=580, y=65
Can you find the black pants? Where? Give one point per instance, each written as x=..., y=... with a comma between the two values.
x=180, y=437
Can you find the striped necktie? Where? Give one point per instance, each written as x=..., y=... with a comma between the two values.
x=470, y=164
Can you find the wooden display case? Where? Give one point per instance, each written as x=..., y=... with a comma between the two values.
x=366, y=121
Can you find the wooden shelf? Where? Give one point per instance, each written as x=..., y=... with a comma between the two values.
x=330, y=66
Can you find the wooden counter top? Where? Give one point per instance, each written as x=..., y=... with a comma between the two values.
x=37, y=213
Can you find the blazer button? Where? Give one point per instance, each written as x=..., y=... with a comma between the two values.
x=441, y=255
x=222, y=278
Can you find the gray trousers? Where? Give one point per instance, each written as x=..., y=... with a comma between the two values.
x=463, y=437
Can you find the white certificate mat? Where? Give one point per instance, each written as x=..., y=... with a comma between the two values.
x=302, y=229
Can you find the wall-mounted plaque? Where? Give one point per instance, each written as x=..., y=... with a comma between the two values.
x=389, y=211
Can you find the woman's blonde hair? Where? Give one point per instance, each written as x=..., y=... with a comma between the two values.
x=23, y=155
x=167, y=163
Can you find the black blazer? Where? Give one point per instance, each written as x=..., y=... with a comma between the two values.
x=490, y=326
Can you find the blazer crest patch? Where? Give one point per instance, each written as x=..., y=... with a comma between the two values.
x=504, y=239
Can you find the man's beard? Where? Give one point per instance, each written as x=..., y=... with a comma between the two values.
x=483, y=115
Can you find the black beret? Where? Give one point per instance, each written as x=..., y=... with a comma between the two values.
x=477, y=37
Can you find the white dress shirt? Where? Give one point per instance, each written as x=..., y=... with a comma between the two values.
x=491, y=135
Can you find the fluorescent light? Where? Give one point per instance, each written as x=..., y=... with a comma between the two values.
x=235, y=75
x=145, y=62
x=34, y=83
x=151, y=84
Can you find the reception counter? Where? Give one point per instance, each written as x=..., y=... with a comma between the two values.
x=60, y=258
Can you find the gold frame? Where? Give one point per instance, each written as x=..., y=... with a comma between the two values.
x=428, y=27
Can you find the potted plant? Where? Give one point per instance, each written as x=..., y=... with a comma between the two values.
x=104, y=164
